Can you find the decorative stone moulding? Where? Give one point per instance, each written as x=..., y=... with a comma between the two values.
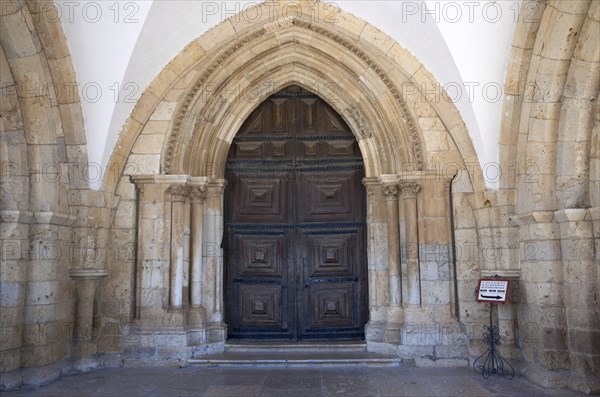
x=87, y=273
x=177, y=135
x=506, y=273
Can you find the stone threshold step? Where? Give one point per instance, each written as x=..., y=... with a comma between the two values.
x=295, y=347
x=296, y=359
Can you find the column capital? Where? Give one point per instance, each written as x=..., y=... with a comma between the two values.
x=409, y=189
x=217, y=186
x=178, y=192
x=390, y=191
x=197, y=193
x=371, y=184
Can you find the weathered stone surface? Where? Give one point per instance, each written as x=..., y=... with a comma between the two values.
x=538, y=228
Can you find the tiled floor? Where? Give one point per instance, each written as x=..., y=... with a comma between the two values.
x=288, y=382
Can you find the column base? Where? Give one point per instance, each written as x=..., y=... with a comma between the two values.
x=423, y=344
x=196, y=315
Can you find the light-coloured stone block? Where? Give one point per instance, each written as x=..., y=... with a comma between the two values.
x=163, y=111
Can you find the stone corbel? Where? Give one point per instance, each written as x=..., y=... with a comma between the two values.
x=86, y=283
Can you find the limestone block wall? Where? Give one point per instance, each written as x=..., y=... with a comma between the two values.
x=46, y=226
x=553, y=88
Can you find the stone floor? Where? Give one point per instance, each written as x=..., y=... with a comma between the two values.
x=287, y=382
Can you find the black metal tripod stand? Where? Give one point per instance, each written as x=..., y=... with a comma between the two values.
x=493, y=363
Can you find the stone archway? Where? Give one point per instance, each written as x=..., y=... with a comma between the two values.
x=179, y=275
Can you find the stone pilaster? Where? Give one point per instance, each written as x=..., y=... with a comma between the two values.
x=580, y=272
x=377, y=250
x=541, y=302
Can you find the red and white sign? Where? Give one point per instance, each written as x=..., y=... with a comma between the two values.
x=492, y=290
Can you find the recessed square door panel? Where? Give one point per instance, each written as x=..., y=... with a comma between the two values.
x=331, y=305
x=259, y=255
x=327, y=197
x=332, y=255
x=260, y=198
x=261, y=306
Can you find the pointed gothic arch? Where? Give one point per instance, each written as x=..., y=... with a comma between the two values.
x=228, y=90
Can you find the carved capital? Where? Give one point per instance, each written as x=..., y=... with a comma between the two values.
x=216, y=188
x=178, y=192
x=409, y=190
x=371, y=185
x=390, y=191
x=370, y=191
x=197, y=193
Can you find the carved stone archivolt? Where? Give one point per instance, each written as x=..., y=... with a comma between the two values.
x=363, y=131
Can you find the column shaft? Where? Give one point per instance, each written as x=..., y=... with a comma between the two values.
x=177, y=246
x=196, y=247
x=390, y=193
x=409, y=196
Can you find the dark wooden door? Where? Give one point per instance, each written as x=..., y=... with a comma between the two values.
x=294, y=224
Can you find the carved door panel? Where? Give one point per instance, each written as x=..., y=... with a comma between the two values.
x=294, y=224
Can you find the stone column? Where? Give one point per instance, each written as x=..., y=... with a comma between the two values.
x=197, y=313
x=86, y=282
x=178, y=201
x=390, y=192
x=409, y=196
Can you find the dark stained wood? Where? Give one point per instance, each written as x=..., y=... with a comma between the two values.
x=295, y=263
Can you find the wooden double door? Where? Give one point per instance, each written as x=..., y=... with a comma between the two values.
x=294, y=224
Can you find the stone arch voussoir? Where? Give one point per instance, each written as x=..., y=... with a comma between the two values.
x=289, y=58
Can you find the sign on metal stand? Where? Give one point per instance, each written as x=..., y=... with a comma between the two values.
x=491, y=362
x=492, y=290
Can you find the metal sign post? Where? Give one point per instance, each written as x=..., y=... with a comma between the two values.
x=491, y=362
